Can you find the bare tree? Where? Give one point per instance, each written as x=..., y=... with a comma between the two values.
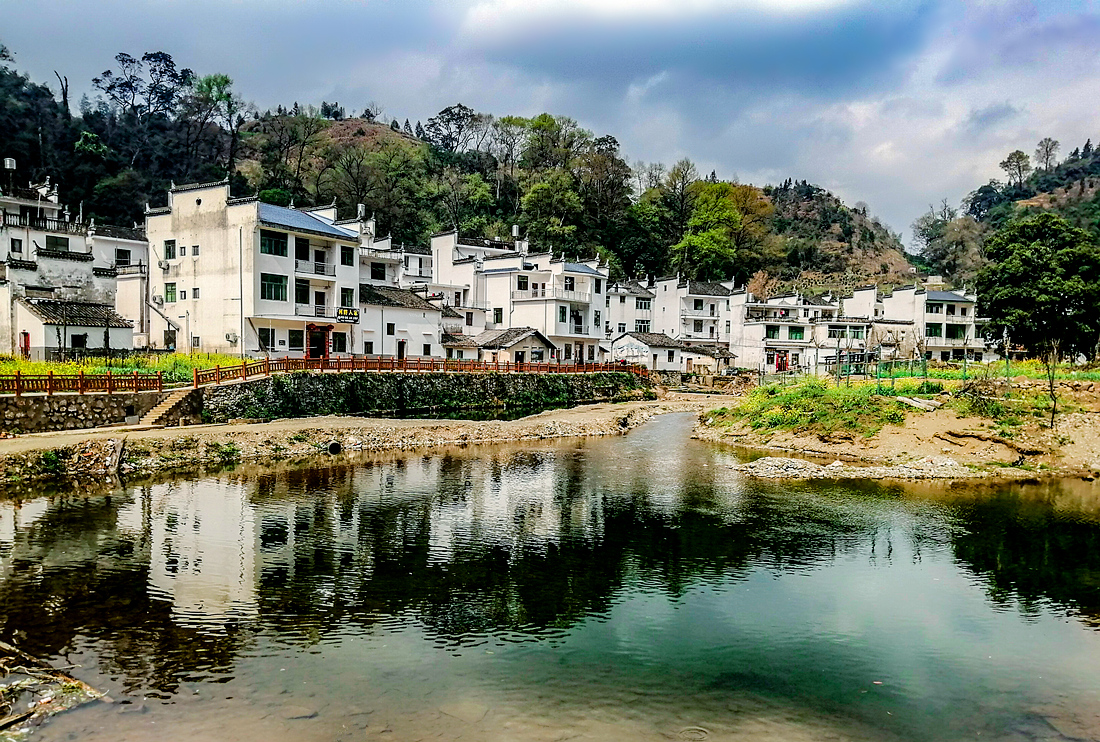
x=1046, y=154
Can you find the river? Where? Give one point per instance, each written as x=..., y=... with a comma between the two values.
x=620, y=588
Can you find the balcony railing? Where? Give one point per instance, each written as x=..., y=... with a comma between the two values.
x=572, y=328
x=131, y=269
x=314, y=268
x=954, y=342
x=705, y=313
x=46, y=225
x=372, y=252
x=552, y=292
x=315, y=310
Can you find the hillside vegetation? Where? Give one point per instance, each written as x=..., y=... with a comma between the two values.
x=153, y=122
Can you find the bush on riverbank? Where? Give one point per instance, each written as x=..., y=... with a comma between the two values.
x=813, y=406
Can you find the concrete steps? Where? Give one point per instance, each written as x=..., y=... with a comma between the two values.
x=158, y=413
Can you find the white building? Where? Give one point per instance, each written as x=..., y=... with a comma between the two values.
x=918, y=321
x=398, y=322
x=654, y=350
x=127, y=250
x=236, y=276
x=692, y=311
x=514, y=345
x=512, y=287
x=629, y=308
x=55, y=296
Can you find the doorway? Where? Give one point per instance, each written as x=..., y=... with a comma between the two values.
x=318, y=343
x=319, y=303
x=520, y=356
x=400, y=350
x=781, y=361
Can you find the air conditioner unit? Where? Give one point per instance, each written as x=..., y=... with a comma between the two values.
x=163, y=265
x=231, y=337
x=158, y=300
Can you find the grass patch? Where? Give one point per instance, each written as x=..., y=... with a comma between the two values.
x=225, y=453
x=813, y=406
x=176, y=367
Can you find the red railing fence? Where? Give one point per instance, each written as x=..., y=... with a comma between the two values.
x=50, y=383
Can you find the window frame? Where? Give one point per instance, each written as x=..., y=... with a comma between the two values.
x=274, y=284
x=274, y=243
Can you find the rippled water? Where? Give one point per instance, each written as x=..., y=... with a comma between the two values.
x=611, y=589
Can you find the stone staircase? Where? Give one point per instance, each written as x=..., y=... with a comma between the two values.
x=156, y=415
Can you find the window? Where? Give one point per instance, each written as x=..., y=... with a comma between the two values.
x=711, y=328
x=950, y=310
x=697, y=325
x=794, y=359
x=596, y=319
x=934, y=330
x=469, y=319
x=769, y=359
x=622, y=327
x=427, y=349
x=521, y=283
x=122, y=256
x=956, y=332
x=195, y=342
x=672, y=356
x=194, y=250
x=934, y=308
x=570, y=283
x=267, y=338
x=727, y=327
x=563, y=313
x=368, y=347
x=169, y=293
x=272, y=287
x=498, y=315
x=771, y=332
x=16, y=245
x=538, y=355
x=643, y=304
x=599, y=286
x=855, y=332
x=169, y=249
x=622, y=300
x=301, y=291
x=607, y=302
x=568, y=351
x=641, y=325
x=698, y=305
x=347, y=297
x=945, y=355
x=274, y=243
x=301, y=248
x=347, y=255
x=795, y=333
x=837, y=332
x=458, y=298
x=390, y=328
x=962, y=311
x=296, y=339
x=378, y=272
x=591, y=352
x=339, y=342
x=183, y=250
x=60, y=244
x=183, y=295
x=78, y=342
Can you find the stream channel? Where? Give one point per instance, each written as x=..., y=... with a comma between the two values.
x=627, y=588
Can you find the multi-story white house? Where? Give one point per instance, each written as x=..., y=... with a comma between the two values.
x=563, y=300
x=692, y=311
x=57, y=293
x=629, y=308
x=918, y=321
x=237, y=276
x=127, y=250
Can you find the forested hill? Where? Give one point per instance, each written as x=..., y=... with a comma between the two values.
x=152, y=123
x=952, y=240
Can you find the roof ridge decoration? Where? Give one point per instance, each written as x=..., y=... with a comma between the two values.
x=197, y=186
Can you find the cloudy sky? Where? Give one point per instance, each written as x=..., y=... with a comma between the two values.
x=894, y=102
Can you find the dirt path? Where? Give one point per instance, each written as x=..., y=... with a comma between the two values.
x=94, y=455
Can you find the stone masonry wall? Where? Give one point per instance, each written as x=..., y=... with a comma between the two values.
x=39, y=413
x=308, y=394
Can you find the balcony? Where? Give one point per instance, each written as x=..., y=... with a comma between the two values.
x=971, y=342
x=376, y=254
x=131, y=269
x=314, y=268
x=45, y=225
x=704, y=313
x=552, y=292
x=315, y=310
x=573, y=329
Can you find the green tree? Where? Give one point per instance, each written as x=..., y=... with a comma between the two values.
x=1017, y=165
x=551, y=208
x=1042, y=286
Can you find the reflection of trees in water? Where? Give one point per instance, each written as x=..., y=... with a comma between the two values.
x=75, y=574
x=1030, y=551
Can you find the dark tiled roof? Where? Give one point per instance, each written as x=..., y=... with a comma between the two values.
x=582, y=268
x=948, y=296
x=654, y=339
x=707, y=288
x=451, y=313
x=76, y=313
x=300, y=221
x=633, y=288
x=198, y=186
x=388, y=296
x=509, y=337
x=709, y=350
x=416, y=249
x=458, y=341
x=136, y=234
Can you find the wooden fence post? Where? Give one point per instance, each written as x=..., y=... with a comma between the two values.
x=49, y=382
x=135, y=382
x=110, y=383
x=80, y=382
x=18, y=384
x=160, y=381
x=267, y=366
x=195, y=376
x=217, y=374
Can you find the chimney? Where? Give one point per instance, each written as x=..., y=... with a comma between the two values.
x=361, y=211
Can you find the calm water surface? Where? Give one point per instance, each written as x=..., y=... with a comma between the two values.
x=614, y=589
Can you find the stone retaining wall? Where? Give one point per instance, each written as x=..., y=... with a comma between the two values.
x=39, y=413
x=308, y=394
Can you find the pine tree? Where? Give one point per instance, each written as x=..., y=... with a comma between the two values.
x=395, y=126
x=408, y=129
x=419, y=131
x=1086, y=151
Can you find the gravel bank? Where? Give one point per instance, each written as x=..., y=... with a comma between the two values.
x=773, y=467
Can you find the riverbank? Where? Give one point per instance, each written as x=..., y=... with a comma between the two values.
x=95, y=456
